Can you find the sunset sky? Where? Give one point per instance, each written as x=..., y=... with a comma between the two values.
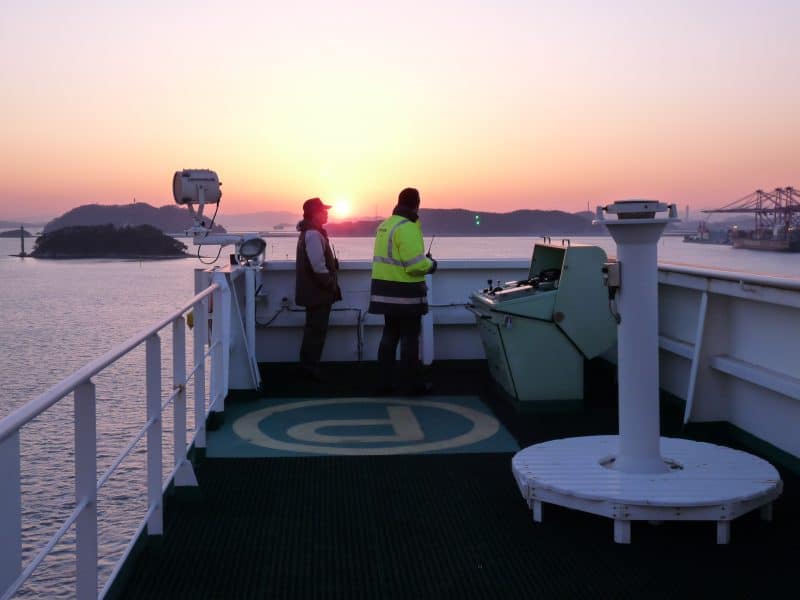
x=485, y=105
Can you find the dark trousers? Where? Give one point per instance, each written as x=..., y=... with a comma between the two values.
x=314, y=335
x=404, y=330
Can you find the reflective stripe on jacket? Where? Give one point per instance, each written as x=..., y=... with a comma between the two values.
x=399, y=266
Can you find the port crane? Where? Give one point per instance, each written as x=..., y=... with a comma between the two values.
x=778, y=208
x=777, y=219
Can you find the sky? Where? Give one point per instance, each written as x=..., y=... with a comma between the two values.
x=493, y=105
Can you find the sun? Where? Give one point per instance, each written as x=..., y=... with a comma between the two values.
x=342, y=208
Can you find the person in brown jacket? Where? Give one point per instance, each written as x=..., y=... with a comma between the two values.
x=316, y=284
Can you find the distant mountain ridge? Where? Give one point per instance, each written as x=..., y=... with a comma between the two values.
x=462, y=222
x=27, y=223
x=259, y=220
x=169, y=218
x=436, y=221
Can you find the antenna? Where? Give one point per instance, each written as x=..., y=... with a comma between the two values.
x=430, y=245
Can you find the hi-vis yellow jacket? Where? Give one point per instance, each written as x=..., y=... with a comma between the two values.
x=399, y=266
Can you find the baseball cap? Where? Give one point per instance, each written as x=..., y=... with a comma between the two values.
x=313, y=204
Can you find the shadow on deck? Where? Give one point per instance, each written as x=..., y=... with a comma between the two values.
x=443, y=525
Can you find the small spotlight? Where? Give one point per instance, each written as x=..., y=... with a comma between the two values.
x=252, y=248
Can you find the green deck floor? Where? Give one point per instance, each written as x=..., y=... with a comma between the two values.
x=442, y=525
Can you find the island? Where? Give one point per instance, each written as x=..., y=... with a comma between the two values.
x=108, y=241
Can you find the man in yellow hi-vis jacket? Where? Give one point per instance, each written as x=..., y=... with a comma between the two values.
x=398, y=291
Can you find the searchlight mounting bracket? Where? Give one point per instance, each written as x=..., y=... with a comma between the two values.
x=199, y=187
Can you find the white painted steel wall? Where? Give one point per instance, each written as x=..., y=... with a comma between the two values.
x=455, y=336
x=747, y=350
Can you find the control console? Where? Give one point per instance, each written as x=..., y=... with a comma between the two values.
x=499, y=292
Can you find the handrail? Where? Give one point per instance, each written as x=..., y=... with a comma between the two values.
x=42, y=554
x=34, y=408
x=785, y=283
x=87, y=484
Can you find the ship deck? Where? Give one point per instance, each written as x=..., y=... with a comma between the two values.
x=443, y=524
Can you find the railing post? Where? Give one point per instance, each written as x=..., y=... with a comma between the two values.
x=250, y=311
x=10, y=511
x=250, y=322
x=200, y=341
x=184, y=476
x=216, y=402
x=86, y=489
x=154, y=466
x=427, y=326
x=226, y=344
x=221, y=340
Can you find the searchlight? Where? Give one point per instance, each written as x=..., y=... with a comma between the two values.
x=194, y=188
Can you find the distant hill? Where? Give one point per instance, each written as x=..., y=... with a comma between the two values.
x=27, y=223
x=259, y=220
x=168, y=219
x=14, y=233
x=461, y=222
x=108, y=241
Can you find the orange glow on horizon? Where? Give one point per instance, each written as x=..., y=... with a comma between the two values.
x=549, y=107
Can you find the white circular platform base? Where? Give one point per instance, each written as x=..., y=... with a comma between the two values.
x=705, y=483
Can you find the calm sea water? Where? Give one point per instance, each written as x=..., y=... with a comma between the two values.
x=58, y=315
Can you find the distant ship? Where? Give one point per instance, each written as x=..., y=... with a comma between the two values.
x=705, y=235
x=780, y=239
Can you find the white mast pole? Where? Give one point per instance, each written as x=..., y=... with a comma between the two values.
x=636, y=232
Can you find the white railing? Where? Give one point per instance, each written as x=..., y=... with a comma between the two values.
x=84, y=514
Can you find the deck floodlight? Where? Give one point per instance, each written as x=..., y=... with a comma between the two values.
x=251, y=248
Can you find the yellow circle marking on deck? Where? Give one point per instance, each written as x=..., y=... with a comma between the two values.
x=247, y=428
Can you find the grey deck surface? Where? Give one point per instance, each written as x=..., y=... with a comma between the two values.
x=443, y=525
